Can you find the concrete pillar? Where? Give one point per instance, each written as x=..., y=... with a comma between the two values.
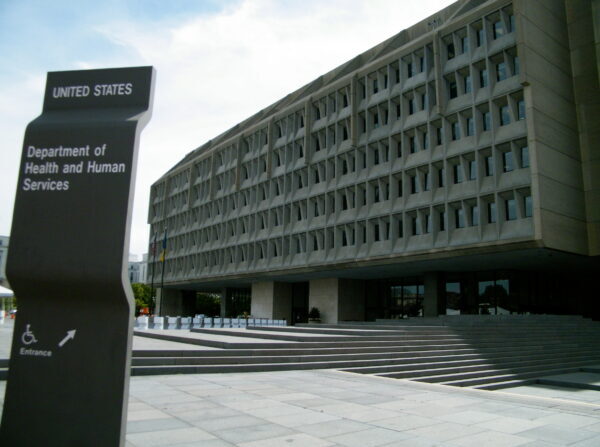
x=324, y=295
x=223, y=310
x=434, y=302
x=338, y=299
x=272, y=300
x=169, y=302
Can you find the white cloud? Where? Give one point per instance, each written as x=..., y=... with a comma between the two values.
x=214, y=71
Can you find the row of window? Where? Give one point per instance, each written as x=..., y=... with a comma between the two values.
x=506, y=207
x=514, y=154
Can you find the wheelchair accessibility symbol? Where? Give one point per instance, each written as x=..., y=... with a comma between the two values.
x=28, y=338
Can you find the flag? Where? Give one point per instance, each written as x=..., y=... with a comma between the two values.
x=153, y=247
x=163, y=253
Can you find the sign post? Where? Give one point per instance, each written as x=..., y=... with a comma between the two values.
x=71, y=351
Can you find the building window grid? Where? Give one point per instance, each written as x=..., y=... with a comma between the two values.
x=524, y=160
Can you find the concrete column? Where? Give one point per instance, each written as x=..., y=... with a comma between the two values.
x=223, y=310
x=434, y=302
x=337, y=299
x=324, y=295
x=169, y=302
x=272, y=300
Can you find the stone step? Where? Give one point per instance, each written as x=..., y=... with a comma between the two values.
x=409, y=367
x=443, y=331
x=502, y=374
x=459, y=367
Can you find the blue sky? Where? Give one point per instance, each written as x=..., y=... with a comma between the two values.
x=217, y=63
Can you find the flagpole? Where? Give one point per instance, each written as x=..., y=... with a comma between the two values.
x=152, y=294
x=163, y=257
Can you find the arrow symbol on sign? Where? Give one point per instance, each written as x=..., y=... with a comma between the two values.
x=70, y=336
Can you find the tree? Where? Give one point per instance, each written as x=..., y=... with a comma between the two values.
x=143, y=296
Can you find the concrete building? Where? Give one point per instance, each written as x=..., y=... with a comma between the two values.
x=451, y=169
x=3, y=255
x=137, y=270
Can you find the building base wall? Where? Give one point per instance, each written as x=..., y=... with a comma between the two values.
x=272, y=300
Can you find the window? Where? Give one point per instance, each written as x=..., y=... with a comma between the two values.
x=480, y=37
x=483, y=78
x=426, y=181
x=524, y=151
x=491, y=212
x=489, y=165
x=472, y=169
x=487, y=121
x=459, y=218
x=458, y=173
x=510, y=209
x=501, y=73
x=467, y=83
x=455, y=130
x=528, y=206
x=521, y=109
x=451, y=51
x=375, y=120
x=507, y=161
x=498, y=29
x=442, y=217
x=474, y=215
x=416, y=226
x=504, y=115
x=453, y=91
x=414, y=184
x=413, y=144
x=470, y=126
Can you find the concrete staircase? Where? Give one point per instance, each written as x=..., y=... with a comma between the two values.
x=478, y=352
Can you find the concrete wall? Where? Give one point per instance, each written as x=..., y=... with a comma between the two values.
x=556, y=170
x=282, y=301
x=262, y=299
x=583, y=18
x=324, y=295
x=272, y=300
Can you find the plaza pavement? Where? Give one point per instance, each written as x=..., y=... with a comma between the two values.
x=322, y=408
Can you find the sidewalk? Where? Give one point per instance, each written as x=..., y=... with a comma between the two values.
x=331, y=408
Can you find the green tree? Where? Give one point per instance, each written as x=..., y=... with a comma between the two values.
x=143, y=296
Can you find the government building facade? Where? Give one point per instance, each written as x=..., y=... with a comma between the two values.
x=452, y=169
